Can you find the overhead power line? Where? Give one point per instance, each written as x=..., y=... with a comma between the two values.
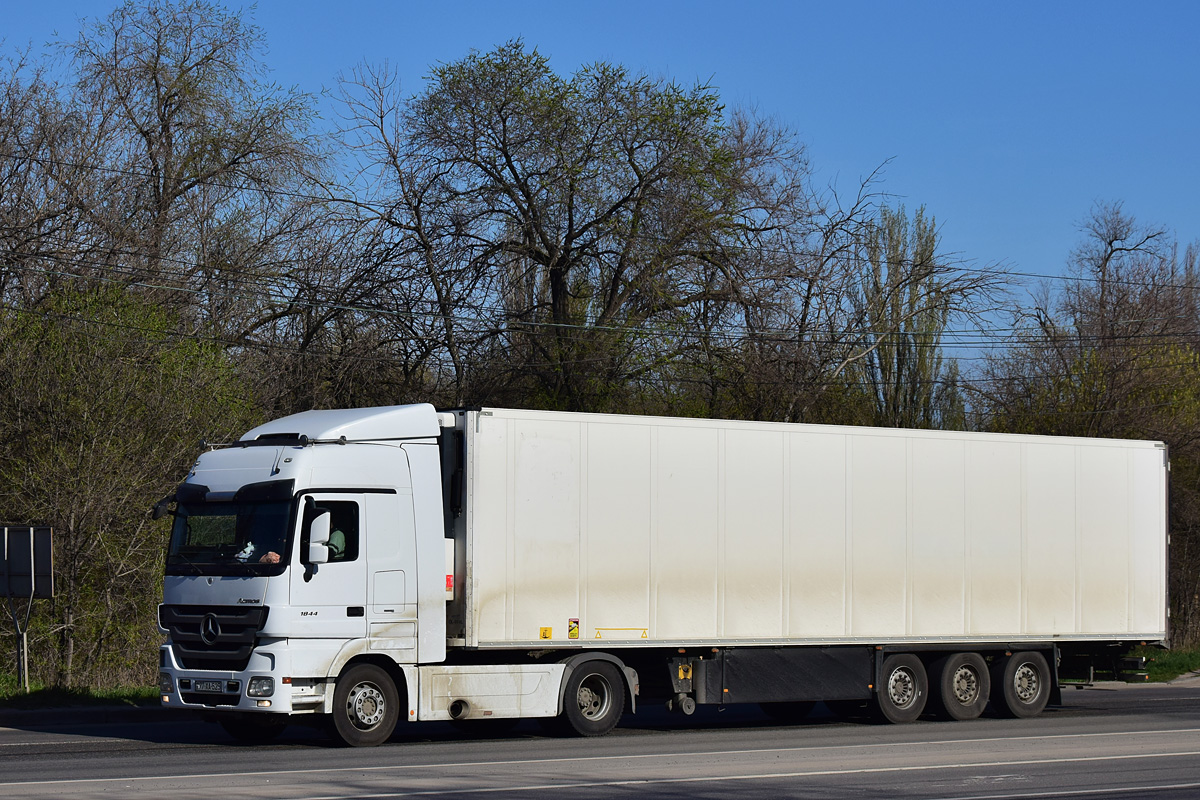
x=957, y=339
x=268, y=291
x=444, y=363
x=379, y=209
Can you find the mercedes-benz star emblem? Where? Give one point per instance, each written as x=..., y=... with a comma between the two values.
x=210, y=629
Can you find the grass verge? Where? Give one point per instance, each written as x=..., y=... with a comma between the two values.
x=13, y=696
x=1165, y=665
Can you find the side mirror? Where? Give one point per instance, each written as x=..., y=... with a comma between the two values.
x=161, y=508
x=318, y=538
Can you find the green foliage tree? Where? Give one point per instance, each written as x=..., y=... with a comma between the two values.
x=906, y=309
x=101, y=410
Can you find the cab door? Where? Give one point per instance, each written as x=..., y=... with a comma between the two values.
x=392, y=594
x=330, y=600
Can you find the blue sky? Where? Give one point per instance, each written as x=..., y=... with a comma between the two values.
x=1006, y=120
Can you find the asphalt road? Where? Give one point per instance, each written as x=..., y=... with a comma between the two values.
x=1135, y=742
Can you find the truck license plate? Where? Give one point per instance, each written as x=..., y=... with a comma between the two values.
x=208, y=686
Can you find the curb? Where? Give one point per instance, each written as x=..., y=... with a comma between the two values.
x=1187, y=677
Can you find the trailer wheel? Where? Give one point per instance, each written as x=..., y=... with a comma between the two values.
x=1020, y=685
x=366, y=706
x=904, y=689
x=594, y=698
x=253, y=729
x=789, y=712
x=962, y=686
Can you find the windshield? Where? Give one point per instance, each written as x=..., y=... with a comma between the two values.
x=229, y=539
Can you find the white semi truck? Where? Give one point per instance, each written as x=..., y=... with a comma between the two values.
x=379, y=564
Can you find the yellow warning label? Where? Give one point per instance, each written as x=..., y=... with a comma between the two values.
x=572, y=629
x=622, y=633
x=547, y=633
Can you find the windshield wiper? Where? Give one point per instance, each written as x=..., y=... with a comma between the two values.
x=171, y=562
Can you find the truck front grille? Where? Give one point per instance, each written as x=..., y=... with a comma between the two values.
x=218, y=638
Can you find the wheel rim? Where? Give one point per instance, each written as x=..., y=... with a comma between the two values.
x=902, y=687
x=366, y=706
x=594, y=696
x=966, y=685
x=1026, y=682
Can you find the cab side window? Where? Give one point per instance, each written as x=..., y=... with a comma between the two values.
x=343, y=529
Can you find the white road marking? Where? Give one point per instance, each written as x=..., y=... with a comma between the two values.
x=634, y=756
x=1072, y=792
x=762, y=776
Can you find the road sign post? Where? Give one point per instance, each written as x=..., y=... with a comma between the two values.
x=26, y=573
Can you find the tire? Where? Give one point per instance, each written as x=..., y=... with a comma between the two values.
x=1020, y=685
x=594, y=698
x=960, y=686
x=903, y=689
x=788, y=713
x=253, y=729
x=366, y=706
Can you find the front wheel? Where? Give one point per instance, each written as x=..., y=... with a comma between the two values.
x=1020, y=685
x=366, y=706
x=902, y=695
x=594, y=699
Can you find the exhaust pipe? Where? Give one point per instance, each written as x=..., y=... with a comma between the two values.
x=459, y=709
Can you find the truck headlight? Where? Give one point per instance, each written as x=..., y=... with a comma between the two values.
x=261, y=687
x=165, y=684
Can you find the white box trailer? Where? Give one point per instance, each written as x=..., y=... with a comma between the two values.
x=508, y=564
x=611, y=531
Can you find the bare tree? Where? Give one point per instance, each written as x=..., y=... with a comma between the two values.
x=570, y=230
x=1116, y=353
x=199, y=155
x=43, y=232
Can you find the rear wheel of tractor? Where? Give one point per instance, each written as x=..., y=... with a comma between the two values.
x=594, y=699
x=960, y=686
x=1020, y=685
x=258, y=729
x=902, y=694
x=366, y=706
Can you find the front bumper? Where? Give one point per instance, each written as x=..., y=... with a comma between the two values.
x=224, y=690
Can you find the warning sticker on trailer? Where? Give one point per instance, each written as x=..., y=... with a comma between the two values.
x=572, y=629
x=547, y=633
